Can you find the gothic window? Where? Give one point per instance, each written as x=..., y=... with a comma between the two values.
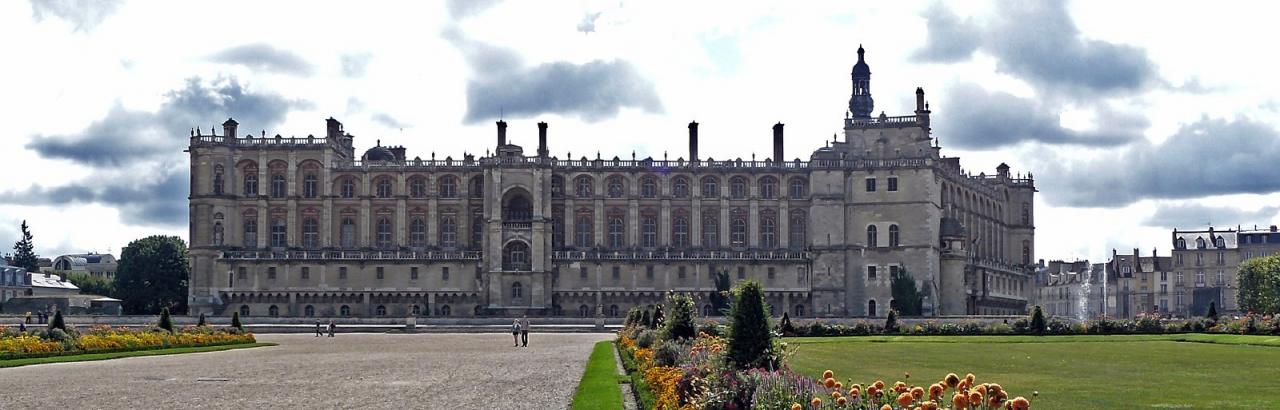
x=797, y=229
x=310, y=233
x=217, y=179
x=648, y=187
x=680, y=231
x=517, y=291
x=582, y=187
x=347, y=232
x=799, y=188
x=584, y=311
x=448, y=231
x=380, y=310
x=617, y=230
x=738, y=188
x=348, y=187
x=217, y=234
x=278, y=232
x=613, y=310
x=515, y=257
x=557, y=227
x=244, y=310
x=893, y=236
x=417, y=232
x=768, y=187
x=446, y=310
x=738, y=228
x=416, y=310
x=557, y=186
x=648, y=230
x=418, y=187
x=309, y=311
x=448, y=186
x=384, y=187
x=710, y=187
x=477, y=187
x=616, y=188
x=344, y=310
x=273, y=311
x=680, y=187
x=871, y=236
x=799, y=310
x=310, y=186
x=477, y=228
x=383, y=237
x=251, y=181
x=768, y=230
x=583, y=230
x=250, y=230
x=277, y=186
x=710, y=230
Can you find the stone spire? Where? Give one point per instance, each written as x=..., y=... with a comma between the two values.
x=861, y=104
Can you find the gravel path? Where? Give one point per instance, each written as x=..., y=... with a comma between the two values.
x=435, y=371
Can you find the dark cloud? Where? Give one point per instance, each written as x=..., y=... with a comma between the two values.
x=1182, y=216
x=1204, y=158
x=460, y=9
x=263, y=57
x=950, y=39
x=83, y=14
x=588, y=23
x=978, y=119
x=354, y=65
x=126, y=137
x=161, y=201
x=1039, y=42
x=387, y=120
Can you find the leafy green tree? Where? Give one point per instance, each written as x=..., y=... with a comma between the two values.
x=906, y=297
x=1037, y=321
x=166, y=322
x=235, y=321
x=680, y=325
x=891, y=322
x=152, y=275
x=720, y=298
x=24, y=251
x=1259, y=280
x=202, y=321
x=57, y=322
x=784, y=326
x=1213, y=312
x=92, y=285
x=750, y=339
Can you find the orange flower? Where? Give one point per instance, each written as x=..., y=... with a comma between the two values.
x=994, y=400
x=841, y=401
x=904, y=399
x=930, y=405
x=959, y=402
x=952, y=380
x=854, y=391
x=899, y=387
x=839, y=386
x=975, y=399
x=879, y=384
x=886, y=407
x=1020, y=403
x=917, y=392
x=970, y=378
x=835, y=394
x=816, y=402
x=873, y=391
x=797, y=406
x=964, y=384
x=994, y=388
x=935, y=392
x=829, y=382
x=982, y=388
x=828, y=374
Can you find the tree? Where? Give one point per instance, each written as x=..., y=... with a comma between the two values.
x=658, y=317
x=1213, y=312
x=24, y=252
x=1037, y=320
x=92, y=285
x=166, y=322
x=720, y=298
x=891, y=322
x=57, y=322
x=646, y=320
x=750, y=339
x=785, y=325
x=906, y=297
x=680, y=325
x=1259, y=280
x=235, y=321
x=152, y=275
x=202, y=321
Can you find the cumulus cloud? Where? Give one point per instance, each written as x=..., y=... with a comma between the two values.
x=159, y=201
x=125, y=137
x=460, y=9
x=354, y=65
x=1194, y=215
x=950, y=39
x=979, y=119
x=1204, y=158
x=588, y=23
x=263, y=57
x=83, y=14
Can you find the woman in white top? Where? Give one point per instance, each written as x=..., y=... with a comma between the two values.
x=515, y=332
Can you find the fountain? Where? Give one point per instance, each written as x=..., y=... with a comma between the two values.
x=1083, y=312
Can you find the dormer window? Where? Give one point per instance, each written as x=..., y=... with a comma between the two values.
x=1199, y=243
x=1181, y=244
x=1221, y=243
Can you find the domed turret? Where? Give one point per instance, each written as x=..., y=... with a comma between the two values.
x=861, y=104
x=379, y=153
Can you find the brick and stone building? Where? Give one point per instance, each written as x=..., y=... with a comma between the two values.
x=306, y=227
x=1205, y=263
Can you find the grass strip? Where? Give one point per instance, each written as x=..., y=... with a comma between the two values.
x=599, y=386
x=1253, y=340
x=131, y=353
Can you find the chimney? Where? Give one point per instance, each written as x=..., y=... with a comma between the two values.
x=229, y=128
x=919, y=99
x=777, y=143
x=542, y=139
x=398, y=152
x=502, y=133
x=333, y=127
x=922, y=108
x=693, y=141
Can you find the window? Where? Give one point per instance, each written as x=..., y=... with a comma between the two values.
x=344, y=311
x=417, y=232
x=799, y=310
x=772, y=273
x=277, y=186
x=738, y=188
x=710, y=187
x=271, y=272
x=515, y=257
x=583, y=230
x=1178, y=257
x=648, y=187
x=1026, y=218
x=310, y=233
x=251, y=181
x=306, y=273
x=613, y=310
x=617, y=273
x=557, y=227
x=244, y=310
x=418, y=187
x=742, y=272
x=582, y=272
x=477, y=228
x=799, y=188
x=648, y=231
x=347, y=232
x=710, y=230
x=250, y=231
x=871, y=273
x=380, y=310
x=557, y=186
x=871, y=236
x=444, y=274
x=680, y=231
x=1222, y=279
x=1200, y=279
x=768, y=230
x=1199, y=243
x=1221, y=258
x=738, y=228
x=448, y=187
x=616, y=230
x=448, y=231
x=768, y=187
x=584, y=311
x=893, y=184
x=309, y=311
x=1026, y=252
x=615, y=187
x=217, y=234
x=871, y=185
x=871, y=308
x=347, y=188
x=384, y=188
x=648, y=272
x=446, y=310
x=217, y=179
x=517, y=290
x=416, y=310
x=477, y=187
x=279, y=233
x=242, y=273
x=797, y=230
x=342, y=272
x=582, y=187
x=383, y=236
x=680, y=187
x=381, y=273
x=893, y=236
x=681, y=273
x=309, y=186
x=706, y=310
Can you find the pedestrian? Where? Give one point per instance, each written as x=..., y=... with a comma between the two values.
x=28, y=318
x=524, y=330
x=332, y=327
x=318, y=328
x=22, y=327
x=515, y=332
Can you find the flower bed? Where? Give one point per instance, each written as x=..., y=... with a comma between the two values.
x=1250, y=324
x=104, y=339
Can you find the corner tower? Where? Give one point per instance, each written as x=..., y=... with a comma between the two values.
x=861, y=105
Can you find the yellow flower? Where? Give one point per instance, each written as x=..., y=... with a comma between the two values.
x=797, y=406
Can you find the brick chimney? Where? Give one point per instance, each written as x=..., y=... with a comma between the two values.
x=777, y=143
x=693, y=141
x=333, y=127
x=502, y=133
x=542, y=139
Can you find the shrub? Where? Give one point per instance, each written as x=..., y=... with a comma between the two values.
x=658, y=317
x=1038, y=325
x=57, y=322
x=646, y=320
x=681, y=324
x=646, y=339
x=235, y=321
x=202, y=321
x=166, y=322
x=891, y=322
x=750, y=337
x=711, y=328
x=1147, y=324
x=670, y=353
x=1212, y=314
x=785, y=325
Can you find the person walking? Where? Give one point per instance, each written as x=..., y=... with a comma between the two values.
x=332, y=327
x=524, y=330
x=22, y=327
x=318, y=328
x=515, y=333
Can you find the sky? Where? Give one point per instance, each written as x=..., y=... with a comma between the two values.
x=1134, y=119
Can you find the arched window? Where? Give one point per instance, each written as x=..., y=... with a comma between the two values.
x=251, y=181
x=893, y=236
x=872, y=236
x=583, y=230
x=415, y=310
x=515, y=257
x=517, y=291
x=768, y=230
x=310, y=233
x=710, y=187
x=871, y=308
x=244, y=310
x=273, y=311
x=518, y=209
x=680, y=231
x=613, y=310
x=380, y=310
x=384, y=188
x=799, y=310
x=383, y=236
x=768, y=187
x=557, y=186
x=738, y=188
x=799, y=188
x=446, y=310
x=582, y=187
x=418, y=187
x=617, y=231
x=277, y=186
x=310, y=185
x=448, y=186
x=347, y=187
x=680, y=187
x=309, y=311
x=706, y=310
x=648, y=187
x=557, y=227
x=477, y=228
x=344, y=311
x=710, y=230
x=584, y=311
x=797, y=230
x=738, y=228
x=648, y=230
x=217, y=179
x=250, y=230
x=418, y=232
x=477, y=187
x=448, y=231
x=217, y=234
x=347, y=232
x=615, y=186
x=279, y=232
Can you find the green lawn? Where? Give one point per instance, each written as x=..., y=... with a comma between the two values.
x=1075, y=372
x=599, y=386
x=116, y=355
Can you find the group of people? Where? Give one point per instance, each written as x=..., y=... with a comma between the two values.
x=520, y=331
x=332, y=327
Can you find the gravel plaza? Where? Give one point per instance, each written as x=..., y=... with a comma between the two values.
x=455, y=371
